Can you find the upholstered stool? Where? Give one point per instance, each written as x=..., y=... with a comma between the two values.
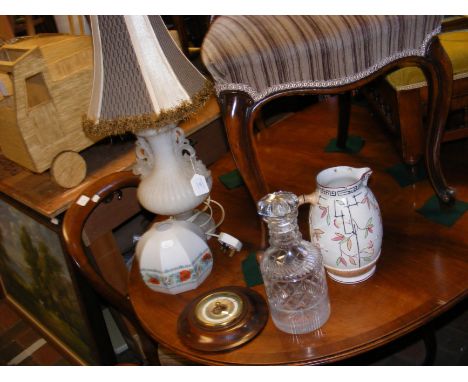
x=254, y=59
x=401, y=96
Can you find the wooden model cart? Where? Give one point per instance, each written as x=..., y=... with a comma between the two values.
x=45, y=87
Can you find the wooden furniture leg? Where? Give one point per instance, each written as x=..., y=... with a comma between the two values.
x=6, y=29
x=411, y=126
x=438, y=72
x=430, y=343
x=238, y=118
x=344, y=105
x=30, y=27
x=259, y=123
x=182, y=32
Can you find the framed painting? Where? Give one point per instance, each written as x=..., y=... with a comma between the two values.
x=37, y=278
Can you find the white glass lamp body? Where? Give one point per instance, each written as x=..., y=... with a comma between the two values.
x=167, y=164
x=173, y=257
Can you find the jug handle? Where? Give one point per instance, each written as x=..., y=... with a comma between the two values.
x=309, y=198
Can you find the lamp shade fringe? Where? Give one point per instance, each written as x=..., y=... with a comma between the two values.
x=134, y=123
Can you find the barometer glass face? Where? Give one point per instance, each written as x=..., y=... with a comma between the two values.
x=219, y=309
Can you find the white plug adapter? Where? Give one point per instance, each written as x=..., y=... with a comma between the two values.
x=230, y=243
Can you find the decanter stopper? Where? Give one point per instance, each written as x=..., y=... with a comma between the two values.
x=278, y=205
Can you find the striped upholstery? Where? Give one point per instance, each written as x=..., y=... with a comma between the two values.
x=262, y=55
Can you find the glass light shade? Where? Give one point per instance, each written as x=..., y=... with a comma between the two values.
x=174, y=257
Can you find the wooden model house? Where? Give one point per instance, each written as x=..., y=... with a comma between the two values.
x=45, y=86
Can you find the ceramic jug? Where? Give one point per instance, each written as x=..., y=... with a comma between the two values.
x=345, y=223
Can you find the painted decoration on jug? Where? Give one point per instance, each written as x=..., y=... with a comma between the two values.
x=354, y=243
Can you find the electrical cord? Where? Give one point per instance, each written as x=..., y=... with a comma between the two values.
x=229, y=243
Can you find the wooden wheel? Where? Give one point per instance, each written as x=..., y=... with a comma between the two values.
x=68, y=169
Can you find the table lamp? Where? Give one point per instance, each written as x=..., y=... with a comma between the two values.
x=144, y=84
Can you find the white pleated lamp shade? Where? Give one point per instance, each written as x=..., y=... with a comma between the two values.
x=141, y=77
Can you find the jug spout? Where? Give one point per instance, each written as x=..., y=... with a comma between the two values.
x=364, y=174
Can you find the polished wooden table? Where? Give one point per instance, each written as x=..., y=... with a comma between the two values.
x=422, y=271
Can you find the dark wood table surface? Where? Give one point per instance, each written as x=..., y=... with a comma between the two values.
x=422, y=271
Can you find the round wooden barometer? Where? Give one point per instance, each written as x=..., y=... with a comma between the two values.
x=222, y=319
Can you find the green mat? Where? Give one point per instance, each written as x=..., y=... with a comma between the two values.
x=446, y=216
x=402, y=173
x=354, y=144
x=231, y=179
x=251, y=270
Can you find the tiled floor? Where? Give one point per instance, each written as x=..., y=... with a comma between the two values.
x=20, y=344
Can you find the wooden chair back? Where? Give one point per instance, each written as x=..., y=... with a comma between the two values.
x=88, y=231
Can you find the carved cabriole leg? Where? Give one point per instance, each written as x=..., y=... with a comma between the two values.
x=344, y=106
x=439, y=77
x=238, y=120
x=237, y=109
